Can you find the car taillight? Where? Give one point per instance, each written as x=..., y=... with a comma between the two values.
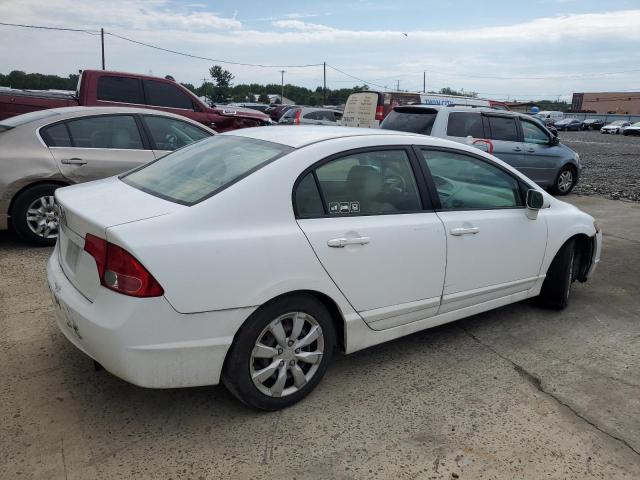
x=297, y=119
x=119, y=270
x=379, y=112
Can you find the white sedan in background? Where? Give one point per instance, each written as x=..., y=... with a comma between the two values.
x=249, y=257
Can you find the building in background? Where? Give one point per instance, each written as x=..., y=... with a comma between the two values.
x=625, y=103
x=523, y=107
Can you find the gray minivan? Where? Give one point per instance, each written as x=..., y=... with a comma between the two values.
x=517, y=139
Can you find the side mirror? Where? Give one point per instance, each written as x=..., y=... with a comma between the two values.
x=534, y=201
x=554, y=140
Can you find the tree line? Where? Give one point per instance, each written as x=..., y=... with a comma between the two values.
x=220, y=89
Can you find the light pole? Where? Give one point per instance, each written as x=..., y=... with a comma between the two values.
x=282, y=91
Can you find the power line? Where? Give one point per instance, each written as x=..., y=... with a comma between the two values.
x=354, y=77
x=216, y=60
x=40, y=27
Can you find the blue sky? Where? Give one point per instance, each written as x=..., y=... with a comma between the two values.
x=502, y=49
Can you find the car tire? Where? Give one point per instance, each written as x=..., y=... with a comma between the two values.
x=560, y=276
x=291, y=378
x=39, y=228
x=565, y=181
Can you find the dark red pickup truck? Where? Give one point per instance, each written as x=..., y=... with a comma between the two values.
x=103, y=88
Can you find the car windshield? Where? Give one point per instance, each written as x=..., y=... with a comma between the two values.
x=27, y=117
x=200, y=170
x=636, y=125
x=617, y=123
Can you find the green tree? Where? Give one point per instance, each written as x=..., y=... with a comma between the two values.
x=264, y=98
x=222, y=79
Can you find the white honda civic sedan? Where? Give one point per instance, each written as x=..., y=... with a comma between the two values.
x=249, y=257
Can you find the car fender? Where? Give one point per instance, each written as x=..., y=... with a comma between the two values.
x=564, y=222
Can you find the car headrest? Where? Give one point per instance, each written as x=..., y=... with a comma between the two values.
x=364, y=180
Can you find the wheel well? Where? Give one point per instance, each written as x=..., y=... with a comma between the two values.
x=31, y=185
x=330, y=305
x=584, y=254
x=584, y=246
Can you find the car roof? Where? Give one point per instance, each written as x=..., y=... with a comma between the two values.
x=297, y=136
x=65, y=113
x=462, y=108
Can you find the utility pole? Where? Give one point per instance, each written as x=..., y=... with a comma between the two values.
x=424, y=82
x=102, y=42
x=282, y=93
x=398, y=85
x=324, y=84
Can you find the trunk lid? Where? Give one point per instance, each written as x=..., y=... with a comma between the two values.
x=92, y=208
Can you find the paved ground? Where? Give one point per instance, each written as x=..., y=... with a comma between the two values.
x=519, y=392
x=611, y=164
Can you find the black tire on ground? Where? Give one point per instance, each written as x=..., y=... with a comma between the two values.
x=236, y=374
x=19, y=213
x=557, y=284
x=558, y=188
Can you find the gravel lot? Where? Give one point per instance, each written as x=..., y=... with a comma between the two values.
x=611, y=164
x=516, y=393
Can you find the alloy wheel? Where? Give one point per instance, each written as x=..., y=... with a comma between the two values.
x=565, y=181
x=42, y=217
x=287, y=354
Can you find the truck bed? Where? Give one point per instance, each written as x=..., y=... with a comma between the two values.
x=16, y=102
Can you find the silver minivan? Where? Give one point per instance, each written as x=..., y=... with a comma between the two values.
x=518, y=139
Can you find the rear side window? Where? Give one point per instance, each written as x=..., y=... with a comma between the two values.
x=465, y=124
x=120, y=89
x=312, y=115
x=367, y=183
x=105, y=131
x=162, y=94
x=56, y=136
x=202, y=169
x=415, y=120
x=503, y=128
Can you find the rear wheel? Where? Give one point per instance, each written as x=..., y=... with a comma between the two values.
x=557, y=284
x=281, y=353
x=34, y=215
x=565, y=180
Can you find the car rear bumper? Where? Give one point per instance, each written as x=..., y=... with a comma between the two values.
x=144, y=340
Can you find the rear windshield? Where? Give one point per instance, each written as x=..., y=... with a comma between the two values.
x=198, y=171
x=26, y=118
x=414, y=120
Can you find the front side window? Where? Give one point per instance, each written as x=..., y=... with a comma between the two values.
x=468, y=183
x=533, y=133
x=312, y=116
x=464, y=124
x=170, y=133
x=161, y=94
x=105, y=131
x=202, y=169
x=120, y=89
x=368, y=183
x=56, y=136
x=503, y=128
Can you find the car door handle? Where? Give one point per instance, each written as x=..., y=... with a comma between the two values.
x=531, y=150
x=341, y=242
x=517, y=149
x=73, y=161
x=464, y=231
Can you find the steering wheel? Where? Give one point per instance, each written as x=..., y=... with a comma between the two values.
x=171, y=141
x=394, y=184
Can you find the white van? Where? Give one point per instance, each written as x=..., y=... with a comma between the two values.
x=367, y=109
